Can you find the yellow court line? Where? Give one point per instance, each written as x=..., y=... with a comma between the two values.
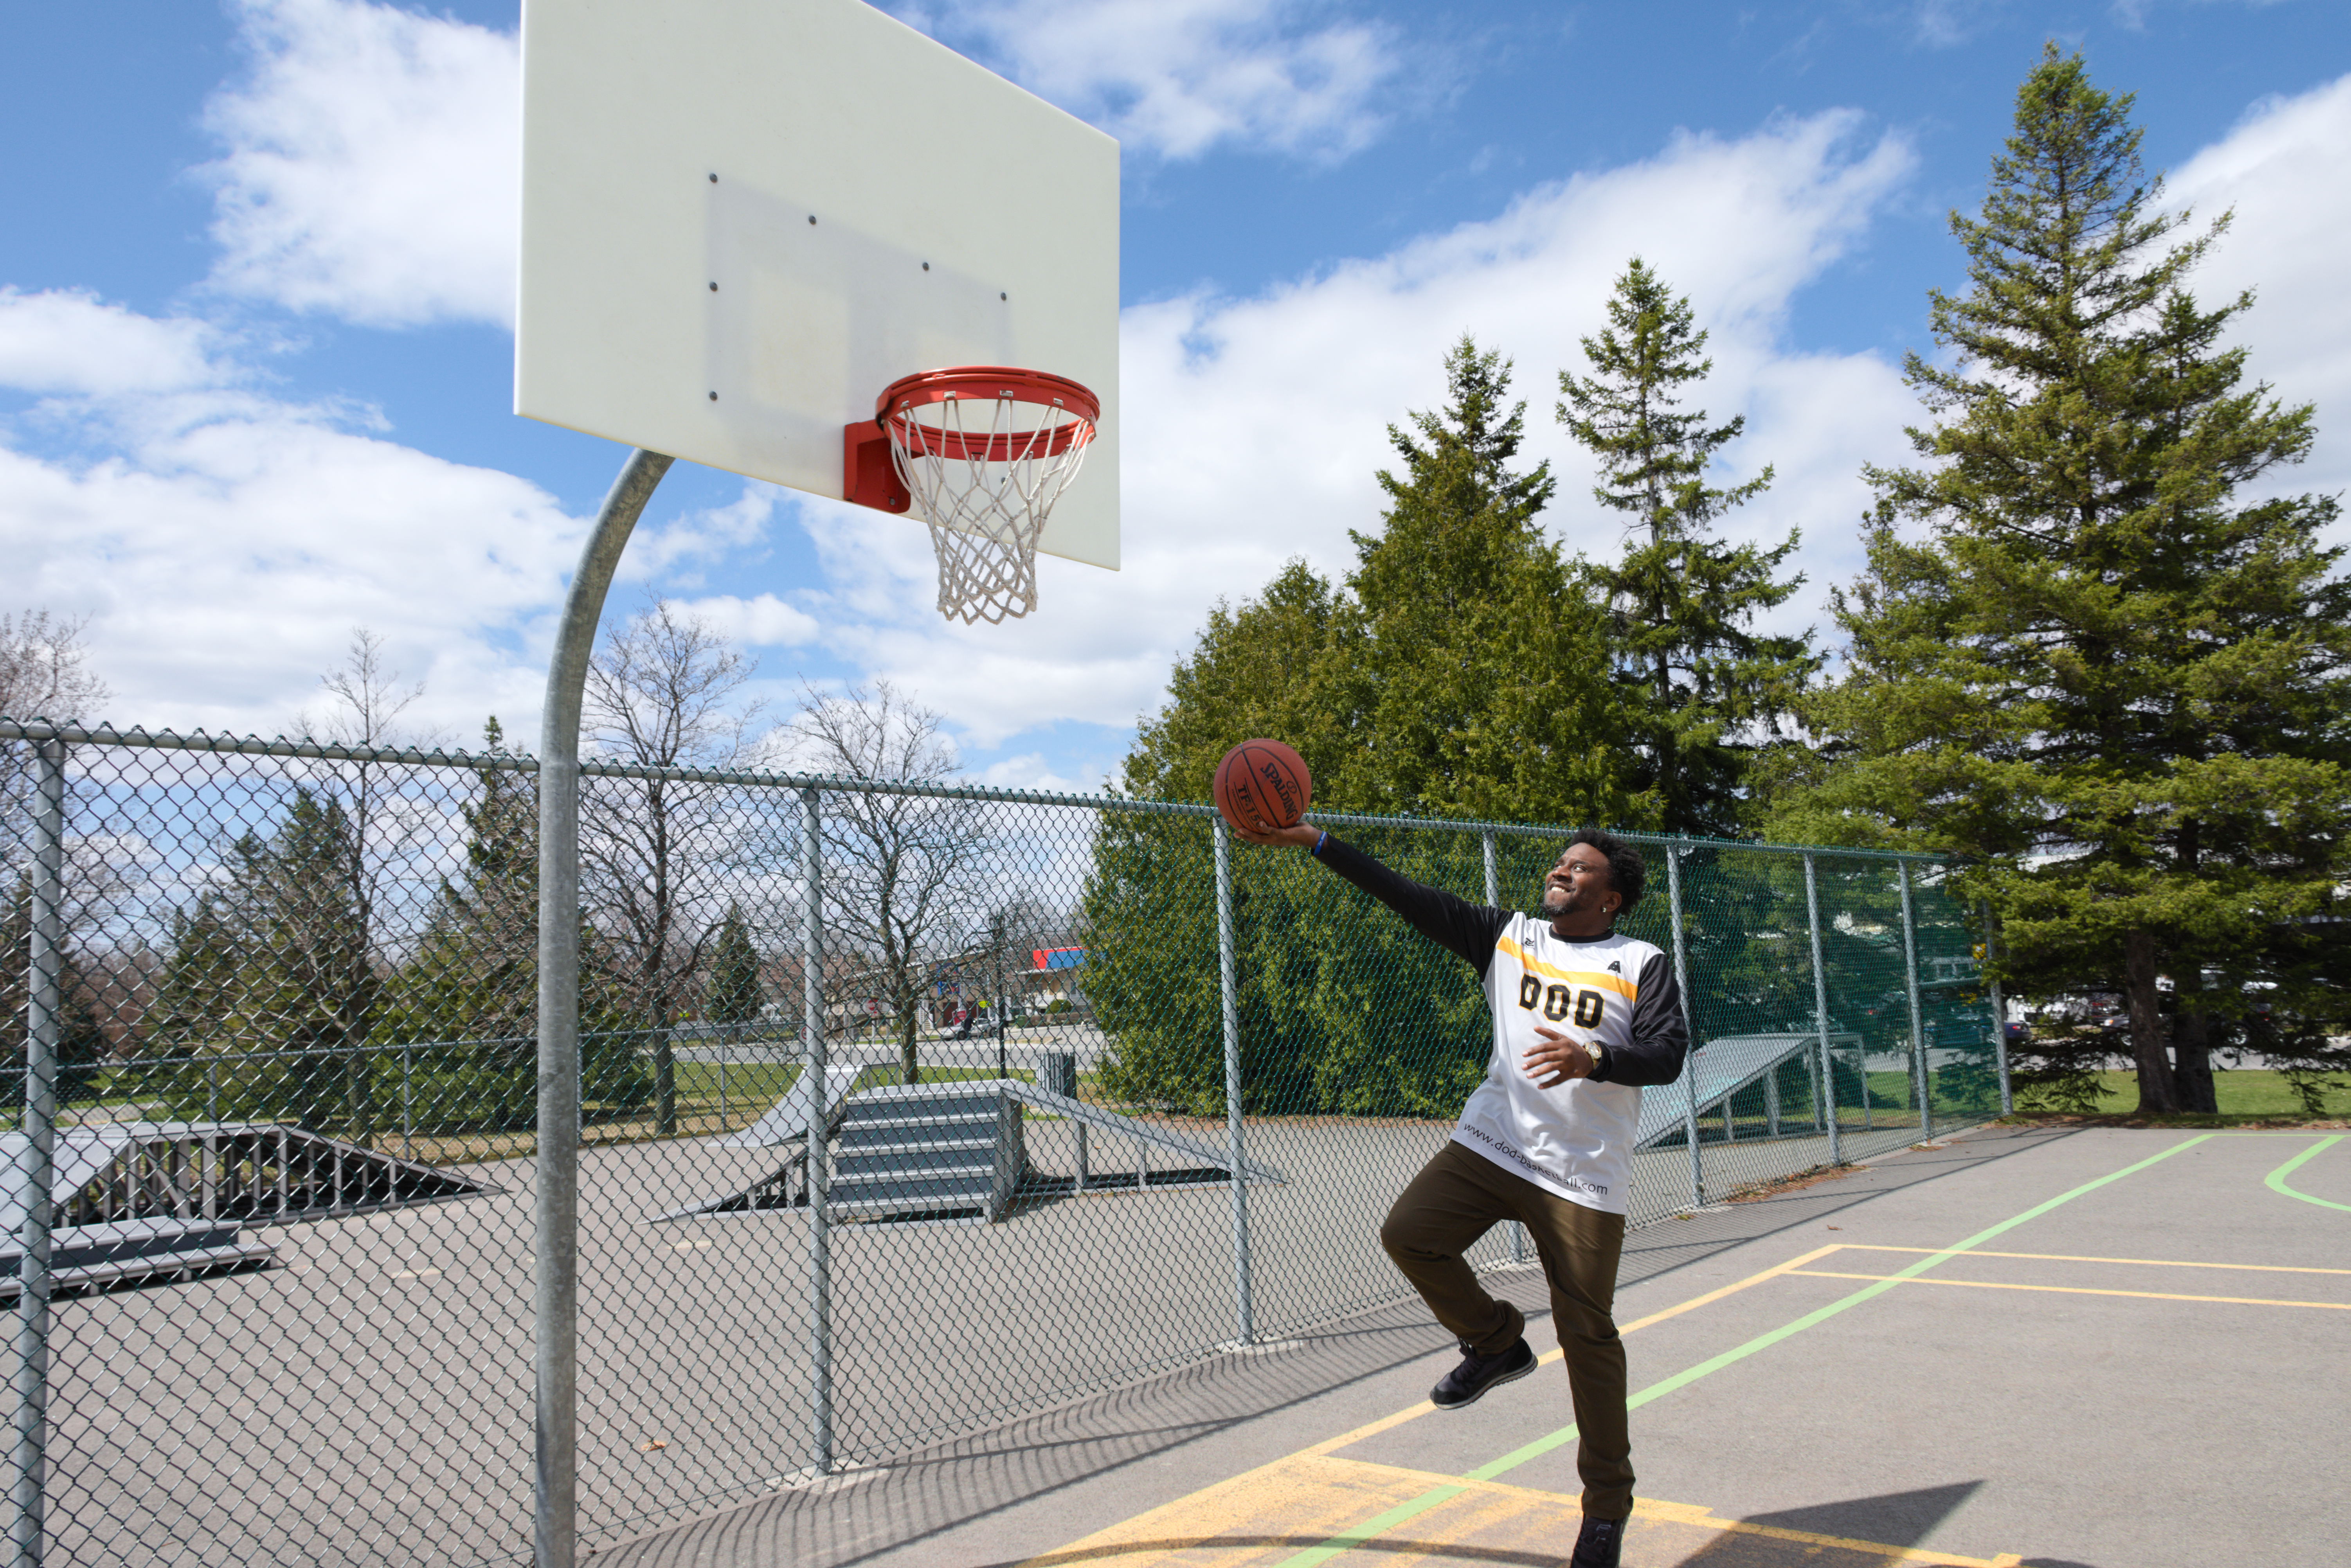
x=1679, y=1513
x=2069, y=1289
x=1413, y=1413
x=2069, y=1258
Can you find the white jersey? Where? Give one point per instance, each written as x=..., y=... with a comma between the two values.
x=1575, y=1140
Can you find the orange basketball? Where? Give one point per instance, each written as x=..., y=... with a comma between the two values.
x=1262, y=784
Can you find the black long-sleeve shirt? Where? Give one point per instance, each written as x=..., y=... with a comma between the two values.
x=1656, y=1041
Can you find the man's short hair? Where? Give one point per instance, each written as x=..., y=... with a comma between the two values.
x=1626, y=870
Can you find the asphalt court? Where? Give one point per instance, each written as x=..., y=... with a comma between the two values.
x=2099, y=1348
x=2124, y=1348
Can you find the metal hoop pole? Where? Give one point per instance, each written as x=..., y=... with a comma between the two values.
x=556, y=1298
x=43, y=1003
x=816, y=1096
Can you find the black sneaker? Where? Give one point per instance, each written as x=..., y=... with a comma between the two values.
x=1477, y=1374
x=1599, y=1544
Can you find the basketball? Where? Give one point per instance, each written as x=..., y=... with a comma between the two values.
x=1262, y=783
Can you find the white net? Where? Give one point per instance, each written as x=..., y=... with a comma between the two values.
x=984, y=472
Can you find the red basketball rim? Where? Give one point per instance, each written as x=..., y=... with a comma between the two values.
x=894, y=412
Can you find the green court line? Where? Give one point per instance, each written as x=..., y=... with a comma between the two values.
x=1379, y=1523
x=2276, y=1181
x=1541, y=1446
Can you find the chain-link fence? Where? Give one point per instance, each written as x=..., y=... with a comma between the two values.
x=1104, y=1091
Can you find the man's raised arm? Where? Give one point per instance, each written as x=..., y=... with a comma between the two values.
x=1465, y=929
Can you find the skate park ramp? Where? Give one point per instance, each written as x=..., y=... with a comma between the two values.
x=1723, y=1068
x=957, y=1149
x=140, y=1201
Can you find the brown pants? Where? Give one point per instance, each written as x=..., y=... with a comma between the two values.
x=1457, y=1198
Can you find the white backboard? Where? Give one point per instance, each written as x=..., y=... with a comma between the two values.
x=881, y=205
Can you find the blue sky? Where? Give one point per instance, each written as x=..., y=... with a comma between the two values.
x=255, y=356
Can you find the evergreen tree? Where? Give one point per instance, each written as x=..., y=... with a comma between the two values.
x=270, y=983
x=1699, y=687
x=1262, y=669
x=1470, y=659
x=2076, y=653
x=470, y=994
x=735, y=995
x=1457, y=671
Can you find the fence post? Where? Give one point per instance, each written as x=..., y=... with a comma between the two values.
x=555, y=1317
x=1690, y=1028
x=1917, y=1024
x=1998, y=1021
x=819, y=1179
x=1494, y=901
x=1244, y=1308
x=43, y=1003
x=1821, y=1014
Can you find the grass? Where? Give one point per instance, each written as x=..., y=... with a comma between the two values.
x=2240, y=1092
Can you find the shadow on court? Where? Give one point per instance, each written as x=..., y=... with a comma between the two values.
x=1895, y=1519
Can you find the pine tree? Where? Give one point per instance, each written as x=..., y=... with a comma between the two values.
x=470, y=993
x=1456, y=671
x=735, y=995
x=1470, y=659
x=1459, y=671
x=1700, y=688
x=271, y=984
x=2075, y=651
x=1262, y=669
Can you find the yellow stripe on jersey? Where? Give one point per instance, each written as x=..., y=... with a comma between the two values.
x=1616, y=983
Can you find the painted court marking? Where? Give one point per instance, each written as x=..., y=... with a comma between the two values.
x=2074, y=1290
x=2276, y=1179
x=1325, y=1505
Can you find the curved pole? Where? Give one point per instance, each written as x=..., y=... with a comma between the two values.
x=555, y=1318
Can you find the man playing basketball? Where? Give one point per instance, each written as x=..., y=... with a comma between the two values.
x=1583, y=1019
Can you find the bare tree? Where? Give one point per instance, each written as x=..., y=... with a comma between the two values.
x=901, y=871
x=666, y=690
x=44, y=674
x=45, y=668
x=384, y=825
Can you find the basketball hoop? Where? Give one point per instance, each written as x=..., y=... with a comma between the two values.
x=982, y=451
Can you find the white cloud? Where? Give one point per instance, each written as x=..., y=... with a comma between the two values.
x=225, y=542
x=1033, y=770
x=371, y=164
x=1254, y=425
x=765, y=622
x=68, y=341
x=371, y=161
x=1176, y=77
x=2280, y=169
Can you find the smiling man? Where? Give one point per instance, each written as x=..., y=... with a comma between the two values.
x=1582, y=1017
